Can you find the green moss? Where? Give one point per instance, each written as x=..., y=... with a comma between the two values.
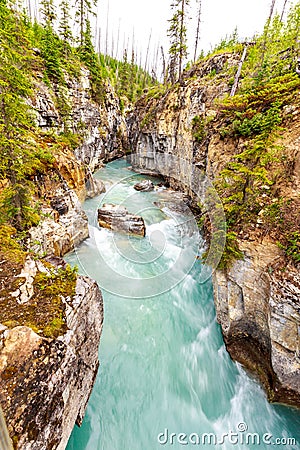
x=45, y=311
x=9, y=245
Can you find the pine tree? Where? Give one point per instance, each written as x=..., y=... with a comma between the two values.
x=83, y=13
x=51, y=54
x=178, y=39
x=20, y=157
x=124, y=75
x=64, y=26
x=48, y=12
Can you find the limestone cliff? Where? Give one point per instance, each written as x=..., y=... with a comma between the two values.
x=99, y=135
x=46, y=382
x=51, y=319
x=257, y=296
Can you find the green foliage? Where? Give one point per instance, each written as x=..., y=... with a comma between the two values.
x=231, y=251
x=228, y=43
x=20, y=155
x=177, y=33
x=51, y=54
x=198, y=129
x=9, y=245
x=51, y=287
x=292, y=248
x=256, y=114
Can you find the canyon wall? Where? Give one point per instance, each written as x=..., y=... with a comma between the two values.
x=47, y=372
x=256, y=297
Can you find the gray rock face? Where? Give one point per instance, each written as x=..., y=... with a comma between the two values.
x=94, y=187
x=46, y=383
x=145, y=186
x=117, y=218
x=259, y=312
x=257, y=305
x=58, y=234
x=104, y=124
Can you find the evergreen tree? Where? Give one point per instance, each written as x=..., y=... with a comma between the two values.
x=124, y=75
x=48, y=12
x=51, y=54
x=20, y=157
x=64, y=26
x=178, y=39
x=83, y=13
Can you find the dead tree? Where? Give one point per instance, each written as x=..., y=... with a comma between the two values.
x=146, y=59
x=283, y=10
x=164, y=69
x=238, y=73
x=266, y=32
x=198, y=30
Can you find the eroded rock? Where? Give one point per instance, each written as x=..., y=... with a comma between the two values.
x=45, y=383
x=59, y=235
x=259, y=311
x=94, y=187
x=117, y=218
x=145, y=185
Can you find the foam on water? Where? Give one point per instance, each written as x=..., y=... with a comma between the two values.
x=163, y=363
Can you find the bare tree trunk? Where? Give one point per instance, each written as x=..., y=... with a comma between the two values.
x=36, y=10
x=238, y=73
x=283, y=10
x=106, y=37
x=266, y=32
x=118, y=40
x=163, y=64
x=30, y=10
x=155, y=61
x=146, y=60
x=99, y=41
x=112, y=44
x=271, y=11
x=181, y=37
x=81, y=21
x=198, y=30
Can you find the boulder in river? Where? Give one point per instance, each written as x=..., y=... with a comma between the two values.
x=117, y=218
x=144, y=186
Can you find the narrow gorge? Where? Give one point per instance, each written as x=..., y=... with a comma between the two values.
x=211, y=182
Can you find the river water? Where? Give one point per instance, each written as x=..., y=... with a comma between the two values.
x=164, y=369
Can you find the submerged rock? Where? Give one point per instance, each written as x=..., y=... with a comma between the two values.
x=45, y=383
x=117, y=218
x=144, y=186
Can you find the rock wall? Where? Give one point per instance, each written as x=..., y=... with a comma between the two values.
x=46, y=383
x=257, y=302
x=102, y=125
x=102, y=134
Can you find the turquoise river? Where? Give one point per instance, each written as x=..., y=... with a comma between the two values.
x=165, y=379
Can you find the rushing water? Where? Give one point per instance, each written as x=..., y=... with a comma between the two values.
x=163, y=365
